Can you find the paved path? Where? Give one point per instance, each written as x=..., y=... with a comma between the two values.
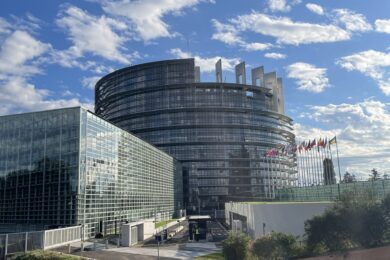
x=187, y=251
x=167, y=252
x=176, y=248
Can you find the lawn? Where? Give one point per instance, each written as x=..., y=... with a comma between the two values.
x=163, y=223
x=213, y=256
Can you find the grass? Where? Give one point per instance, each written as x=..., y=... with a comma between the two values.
x=45, y=255
x=163, y=223
x=213, y=256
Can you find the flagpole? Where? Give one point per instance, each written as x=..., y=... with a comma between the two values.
x=269, y=177
x=338, y=161
x=338, y=184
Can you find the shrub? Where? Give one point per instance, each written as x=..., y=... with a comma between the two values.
x=276, y=245
x=45, y=255
x=235, y=246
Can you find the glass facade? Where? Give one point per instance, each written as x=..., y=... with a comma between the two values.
x=69, y=167
x=219, y=131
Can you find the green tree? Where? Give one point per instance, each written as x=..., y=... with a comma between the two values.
x=235, y=246
x=327, y=232
x=375, y=174
x=353, y=221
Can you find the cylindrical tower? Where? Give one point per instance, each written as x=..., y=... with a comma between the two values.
x=219, y=131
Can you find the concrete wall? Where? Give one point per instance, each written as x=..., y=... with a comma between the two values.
x=279, y=217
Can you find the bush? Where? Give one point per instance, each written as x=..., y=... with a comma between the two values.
x=45, y=255
x=276, y=245
x=235, y=246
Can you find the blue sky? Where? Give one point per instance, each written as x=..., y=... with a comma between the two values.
x=334, y=57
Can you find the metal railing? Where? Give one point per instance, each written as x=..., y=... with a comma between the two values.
x=62, y=236
x=25, y=241
x=377, y=189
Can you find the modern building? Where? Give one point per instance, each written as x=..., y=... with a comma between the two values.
x=69, y=167
x=219, y=131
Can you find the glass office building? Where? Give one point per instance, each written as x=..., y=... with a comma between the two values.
x=69, y=167
x=218, y=131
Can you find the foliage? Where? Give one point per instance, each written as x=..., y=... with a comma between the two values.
x=235, y=246
x=213, y=256
x=45, y=255
x=327, y=233
x=276, y=245
x=163, y=223
x=350, y=222
x=375, y=174
x=264, y=247
x=348, y=178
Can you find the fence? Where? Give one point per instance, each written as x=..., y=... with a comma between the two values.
x=22, y=242
x=377, y=189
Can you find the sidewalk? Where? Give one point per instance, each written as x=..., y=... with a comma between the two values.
x=188, y=251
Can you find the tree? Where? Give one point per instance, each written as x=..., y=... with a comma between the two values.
x=235, y=246
x=349, y=178
x=375, y=175
x=327, y=232
x=353, y=221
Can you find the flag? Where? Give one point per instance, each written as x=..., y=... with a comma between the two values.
x=271, y=153
x=332, y=141
x=307, y=146
x=319, y=142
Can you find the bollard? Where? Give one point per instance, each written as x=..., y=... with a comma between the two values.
x=94, y=246
x=82, y=246
x=106, y=243
x=26, y=242
x=6, y=246
x=68, y=248
x=118, y=242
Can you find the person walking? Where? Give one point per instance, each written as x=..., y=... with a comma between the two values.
x=193, y=231
x=197, y=233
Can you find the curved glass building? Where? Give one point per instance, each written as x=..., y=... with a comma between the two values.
x=219, y=131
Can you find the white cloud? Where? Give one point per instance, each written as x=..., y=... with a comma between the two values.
x=207, y=64
x=256, y=46
x=146, y=16
x=228, y=34
x=309, y=77
x=275, y=55
x=282, y=5
x=382, y=25
x=29, y=98
x=96, y=35
x=315, y=8
x=18, y=49
x=351, y=20
x=372, y=64
x=19, y=60
x=4, y=26
x=287, y=31
x=90, y=82
x=362, y=133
